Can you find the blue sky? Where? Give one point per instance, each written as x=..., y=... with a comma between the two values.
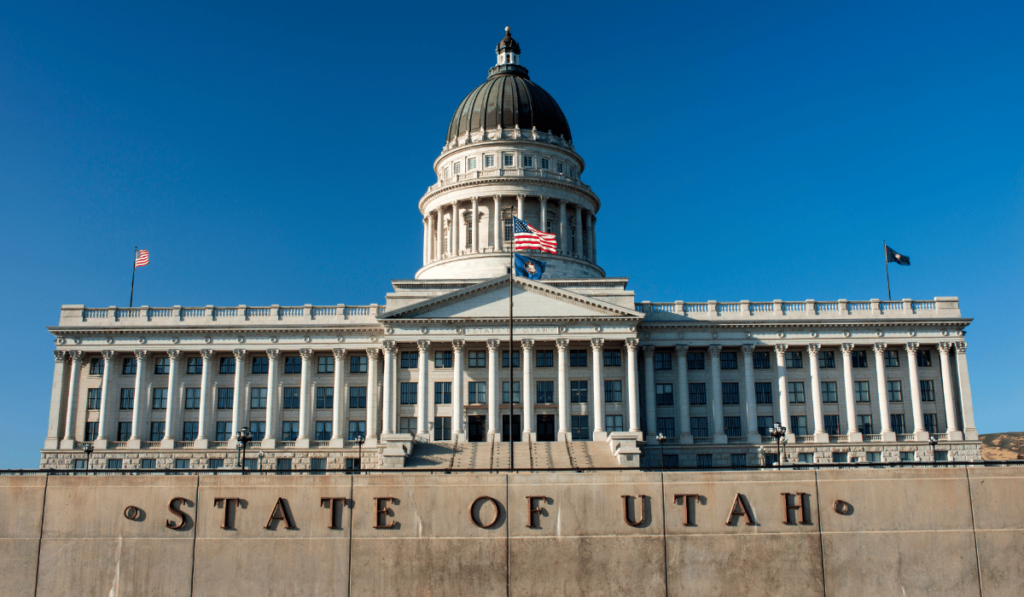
x=271, y=154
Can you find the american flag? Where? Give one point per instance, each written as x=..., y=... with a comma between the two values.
x=141, y=257
x=528, y=237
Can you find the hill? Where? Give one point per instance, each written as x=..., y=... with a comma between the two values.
x=1002, y=446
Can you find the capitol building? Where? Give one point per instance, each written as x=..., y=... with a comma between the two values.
x=599, y=376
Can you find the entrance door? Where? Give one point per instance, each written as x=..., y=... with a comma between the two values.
x=545, y=428
x=517, y=432
x=477, y=428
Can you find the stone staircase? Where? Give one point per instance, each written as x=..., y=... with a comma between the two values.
x=529, y=455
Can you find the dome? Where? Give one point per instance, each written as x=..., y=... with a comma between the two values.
x=508, y=98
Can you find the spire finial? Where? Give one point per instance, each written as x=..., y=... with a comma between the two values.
x=508, y=29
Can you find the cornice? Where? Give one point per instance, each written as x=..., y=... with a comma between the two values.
x=476, y=182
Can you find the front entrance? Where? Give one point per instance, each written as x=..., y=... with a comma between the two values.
x=517, y=431
x=477, y=428
x=545, y=428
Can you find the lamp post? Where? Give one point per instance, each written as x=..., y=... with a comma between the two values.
x=261, y=461
x=661, y=445
x=778, y=433
x=359, y=461
x=933, y=441
x=88, y=455
x=244, y=436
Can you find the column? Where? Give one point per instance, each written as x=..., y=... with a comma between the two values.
x=597, y=354
x=105, y=401
x=780, y=366
x=650, y=408
x=170, y=420
x=970, y=432
x=580, y=250
x=715, y=351
x=883, y=396
x=543, y=213
x=853, y=434
x=73, y=384
x=238, y=395
x=562, y=345
x=305, y=397
x=749, y=396
x=438, y=231
x=493, y=433
x=952, y=425
x=339, y=422
x=426, y=237
x=272, y=418
x=456, y=226
x=204, y=399
x=371, y=395
x=527, y=386
x=920, y=433
x=820, y=435
x=520, y=213
x=682, y=396
x=590, y=236
x=458, y=430
x=140, y=407
x=421, y=389
x=563, y=246
x=57, y=402
x=476, y=225
x=497, y=223
x=593, y=238
x=634, y=407
x=387, y=402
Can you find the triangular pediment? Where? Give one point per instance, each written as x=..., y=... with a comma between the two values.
x=531, y=300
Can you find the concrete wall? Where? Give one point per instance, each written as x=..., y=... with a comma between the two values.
x=912, y=531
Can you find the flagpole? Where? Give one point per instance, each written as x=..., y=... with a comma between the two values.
x=132, y=296
x=511, y=354
x=885, y=250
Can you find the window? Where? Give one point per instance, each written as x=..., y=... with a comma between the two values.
x=325, y=365
x=471, y=164
x=730, y=393
x=515, y=359
x=223, y=431
x=892, y=358
x=941, y=456
x=488, y=161
x=805, y=458
x=191, y=398
x=662, y=361
x=527, y=161
x=613, y=423
x=293, y=365
x=225, y=398
x=162, y=366
x=578, y=391
x=324, y=430
x=572, y=171
x=515, y=392
x=896, y=422
x=447, y=174
x=864, y=424
x=290, y=399
x=357, y=397
x=410, y=360
x=931, y=423
x=545, y=164
x=352, y=464
x=252, y=464
x=442, y=429
x=91, y=430
x=289, y=431
x=669, y=461
x=114, y=463
x=763, y=392
x=694, y=360
x=507, y=160
x=699, y=426
x=698, y=393
x=545, y=358
x=442, y=359
x=227, y=365
x=796, y=392
x=613, y=390
x=771, y=459
x=156, y=431
x=93, y=399
x=827, y=359
x=189, y=431
x=127, y=398
x=545, y=392
x=194, y=366
x=872, y=456
x=477, y=392
x=663, y=394
x=260, y=365
x=148, y=463
x=832, y=424
x=762, y=360
x=667, y=426
x=257, y=398
x=613, y=358
x=96, y=367
x=906, y=457
x=861, y=391
x=828, y=392
x=794, y=359
x=728, y=360
x=924, y=358
x=764, y=424
x=732, y=426
x=580, y=427
x=258, y=430
x=356, y=430
x=284, y=466
x=457, y=167
x=738, y=460
x=559, y=167
x=442, y=392
x=927, y=390
x=124, y=431
x=325, y=397
x=798, y=424
x=357, y=364
x=895, y=390
x=130, y=365
x=839, y=457
x=477, y=359
x=703, y=460
x=577, y=358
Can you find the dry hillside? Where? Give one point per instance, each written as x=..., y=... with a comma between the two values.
x=1002, y=446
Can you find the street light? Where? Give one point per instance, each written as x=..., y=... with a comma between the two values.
x=88, y=455
x=244, y=436
x=261, y=461
x=778, y=433
x=932, y=441
x=359, y=461
x=661, y=444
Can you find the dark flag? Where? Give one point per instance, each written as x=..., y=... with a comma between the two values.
x=529, y=268
x=892, y=256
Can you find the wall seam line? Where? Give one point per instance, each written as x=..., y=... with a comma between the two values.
x=508, y=538
x=39, y=546
x=351, y=518
x=195, y=533
x=664, y=531
x=821, y=539
x=974, y=532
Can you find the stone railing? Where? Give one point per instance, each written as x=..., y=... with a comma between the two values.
x=72, y=316
x=491, y=173
x=836, y=439
x=809, y=309
x=805, y=439
x=872, y=437
x=905, y=437
x=703, y=440
x=740, y=439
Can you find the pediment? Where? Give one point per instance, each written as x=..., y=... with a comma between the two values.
x=531, y=299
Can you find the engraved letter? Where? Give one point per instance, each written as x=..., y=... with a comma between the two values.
x=175, y=510
x=230, y=507
x=740, y=507
x=689, y=502
x=382, y=513
x=801, y=505
x=334, y=501
x=281, y=512
x=535, y=508
x=640, y=506
x=473, y=516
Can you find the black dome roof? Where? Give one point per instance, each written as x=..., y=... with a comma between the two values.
x=508, y=98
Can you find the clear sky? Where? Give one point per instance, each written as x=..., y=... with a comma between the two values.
x=273, y=154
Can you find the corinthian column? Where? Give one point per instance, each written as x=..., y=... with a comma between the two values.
x=305, y=397
x=543, y=213
x=141, y=405
x=73, y=384
x=105, y=401
x=475, y=234
x=715, y=351
x=749, y=396
x=421, y=390
x=563, y=390
x=966, y=402
x=273, y=399
x=458, y=430
x=579, y=252
x=438, y=231
x=853, y=434
x=820, y=436
x=57, y=403
x=920, y=433
x=563, y=245
x=497, y=223
x=171, y=420
x=202, y=439
x=371, y=395
x=527, y=387
x=634, y=406
x=650, y=406
x=780, y=367
x=239, y=394
x=492, y=391
x=389, y=395
x=339, y=422
x=683, y=395
x=952, y=425
x=456, y=226
x=596, y=351
x=883, y=396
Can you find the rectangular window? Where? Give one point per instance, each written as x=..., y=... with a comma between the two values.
x=325, y=397
x=148, y=463
x=130, y=364
x=578, y=392
x=892, y=358
x=252, y=464
x=156, y=431
x=407, y=392
x=559, y=167
x=728, y=360
x=357, y=397
x=578, y=358
x=762, y=360
x=931, y=424
x=896, y=422
x=738, y=460
x=796, y=392
x=407, y=425
x=545, y=392
x=289, y=431
x=572, y=171
x=798, y=424
x=260, y=365
x=127, y=398
x=829, y=392
x=663, y=395
x=927, y=390
x=545, y=164
x=356, y=430
x=477, y=392
x=515, y=392
x=488, y=161
x=698, y=393
x=258, y=430
x=730, y=393
x=191, y=398
x=694, y=360
x=194, y=366
x=840, y=457
x=324, y=430
x=91, y=430
x=669, y=461
x=764, y=424
x=827, y=359
x=699, y=426
x=732, y=426
x=93, y=399
x=223, y=431
x=906, y=457
x=290, y=399
x=794, y=359
x=862, y=392
x=859, y=359
x=225, y=398
x=457, y=167
x=832, y=424
x=924, y=358
x=507, y=160
x=258, y=398
x=545, y=358
x=515, y=359
x=527, y=161
x=96, y=367
x=805, y=458
x=703, y=461
x=114, y=463
x=872, y=456
x=613, y=423
x=864, y=424
x=124, y=431
x=227, y=365
x=667, y=426
x=941, y=456
x=292, y=365
x=284, y=466
x=895, y=390
x=442, y=359
x=352, y=464
x=477, y=359
x=613, y=358
x=357, y=364
x=161, y=365
x=325, y=365
x=442, y=429
x=189, y=431
x=613, y=390
x=442, y=392
x=763, y=392
x=580, y=427
x=471, y=164
x=662, y=361
x=410, y=360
